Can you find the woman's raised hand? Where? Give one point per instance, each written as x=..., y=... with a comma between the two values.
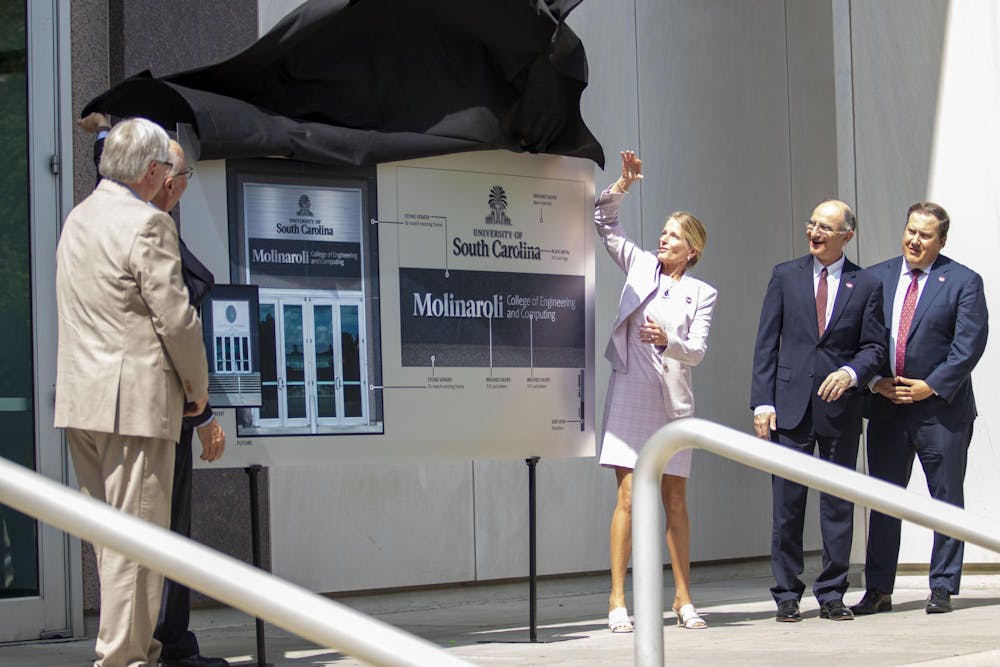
x=631, y=171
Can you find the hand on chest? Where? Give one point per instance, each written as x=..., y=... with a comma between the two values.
x=672, y=307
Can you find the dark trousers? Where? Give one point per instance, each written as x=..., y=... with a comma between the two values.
x=942, y=450
x=836, y=517
x=175, y=606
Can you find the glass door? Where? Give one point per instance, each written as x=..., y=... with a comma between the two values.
x=292, y=399
x=354, y=370
x=18, y=533
x=268, y=413
x=313, y=367
x=326, y=360
x=283, y=364
x=35, y=598
x=340, y=374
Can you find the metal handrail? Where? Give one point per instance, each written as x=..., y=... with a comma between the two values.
x=222, y=577
x=876, y=494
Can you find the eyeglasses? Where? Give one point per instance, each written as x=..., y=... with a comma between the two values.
x=168, y=165
x=187, y=173
x=823, y=227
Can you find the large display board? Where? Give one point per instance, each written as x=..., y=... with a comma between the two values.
x=486, y=265
x=459, y=325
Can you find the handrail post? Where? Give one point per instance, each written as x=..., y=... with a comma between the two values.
x=647, y=551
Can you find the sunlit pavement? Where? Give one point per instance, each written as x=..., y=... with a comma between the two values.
x=488, y=625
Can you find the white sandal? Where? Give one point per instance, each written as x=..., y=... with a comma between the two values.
x=618, y=620
x=687, y=617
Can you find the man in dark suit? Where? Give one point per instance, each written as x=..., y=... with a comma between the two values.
x=821, y=336
x=180, y=645
x=922, y=402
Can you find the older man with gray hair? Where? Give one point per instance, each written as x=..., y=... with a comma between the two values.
x=130, y=355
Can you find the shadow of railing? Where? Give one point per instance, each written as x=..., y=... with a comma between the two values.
x=222, y=577
x=647, y=541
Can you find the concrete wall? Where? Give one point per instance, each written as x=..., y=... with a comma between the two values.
x=926, y=77
x=731, y=105
x=746, y=114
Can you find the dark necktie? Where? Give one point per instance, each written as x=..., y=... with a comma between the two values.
x=821, y=293
x=905, y=318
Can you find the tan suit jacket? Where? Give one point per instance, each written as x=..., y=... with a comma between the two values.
x=130, y=344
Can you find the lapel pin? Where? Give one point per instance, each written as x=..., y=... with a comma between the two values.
x=850, y=285
x=940, y=279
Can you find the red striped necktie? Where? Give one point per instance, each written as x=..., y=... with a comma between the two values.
x=821, y=294
x=905, y=318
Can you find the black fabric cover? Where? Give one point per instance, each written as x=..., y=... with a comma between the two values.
x=358, y=82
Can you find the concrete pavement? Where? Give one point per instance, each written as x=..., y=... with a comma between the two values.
x=487, y=625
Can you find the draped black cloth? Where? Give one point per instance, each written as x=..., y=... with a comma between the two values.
x=358, y=82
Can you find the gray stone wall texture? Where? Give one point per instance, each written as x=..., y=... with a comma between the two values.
x=112, y=40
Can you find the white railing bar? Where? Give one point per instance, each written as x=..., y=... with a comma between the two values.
x=647, y=540
x=258, y=593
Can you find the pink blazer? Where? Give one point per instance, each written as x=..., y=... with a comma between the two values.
x=692, y=302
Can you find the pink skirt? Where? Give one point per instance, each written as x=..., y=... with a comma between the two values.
x=634, y=411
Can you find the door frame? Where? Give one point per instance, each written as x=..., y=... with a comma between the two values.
x=58, y=610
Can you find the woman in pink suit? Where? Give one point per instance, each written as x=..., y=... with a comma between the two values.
x=660, y=333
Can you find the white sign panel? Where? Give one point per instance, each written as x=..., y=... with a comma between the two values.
x=482, y=305
x=486, y=282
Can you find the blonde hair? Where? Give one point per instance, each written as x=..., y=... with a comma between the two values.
x=694, y=233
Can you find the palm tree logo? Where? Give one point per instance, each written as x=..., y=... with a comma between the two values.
x=305, y=207
x=498, y=206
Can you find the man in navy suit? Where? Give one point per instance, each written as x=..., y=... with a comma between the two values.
x=821, y=337
x=922, y=402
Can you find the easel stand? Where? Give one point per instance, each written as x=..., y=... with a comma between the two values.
x=532, y=554
x=253, y=472
x=532, y=561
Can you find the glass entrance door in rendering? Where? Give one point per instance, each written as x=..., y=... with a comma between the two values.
x=313, y=363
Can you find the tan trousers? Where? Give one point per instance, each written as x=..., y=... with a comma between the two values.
x=136, y=476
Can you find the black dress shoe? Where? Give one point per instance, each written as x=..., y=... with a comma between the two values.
x=873, y=602
x=195, y=660
x=835, y=611
x=788, y=612
x=939, y=601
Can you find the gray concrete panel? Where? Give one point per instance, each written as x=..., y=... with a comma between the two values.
x=179, y=35
x=713, y=94
x=812, y=113
x=89, y=48
x=574, y=500
x=367, y=525
x=897, y=66
x=611, y=110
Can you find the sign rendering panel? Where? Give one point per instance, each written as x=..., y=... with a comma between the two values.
x=455, y=321
x=489, y=259
x=230, y=322
x=295, y=232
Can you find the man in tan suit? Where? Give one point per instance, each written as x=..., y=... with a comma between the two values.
x=130, y=355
